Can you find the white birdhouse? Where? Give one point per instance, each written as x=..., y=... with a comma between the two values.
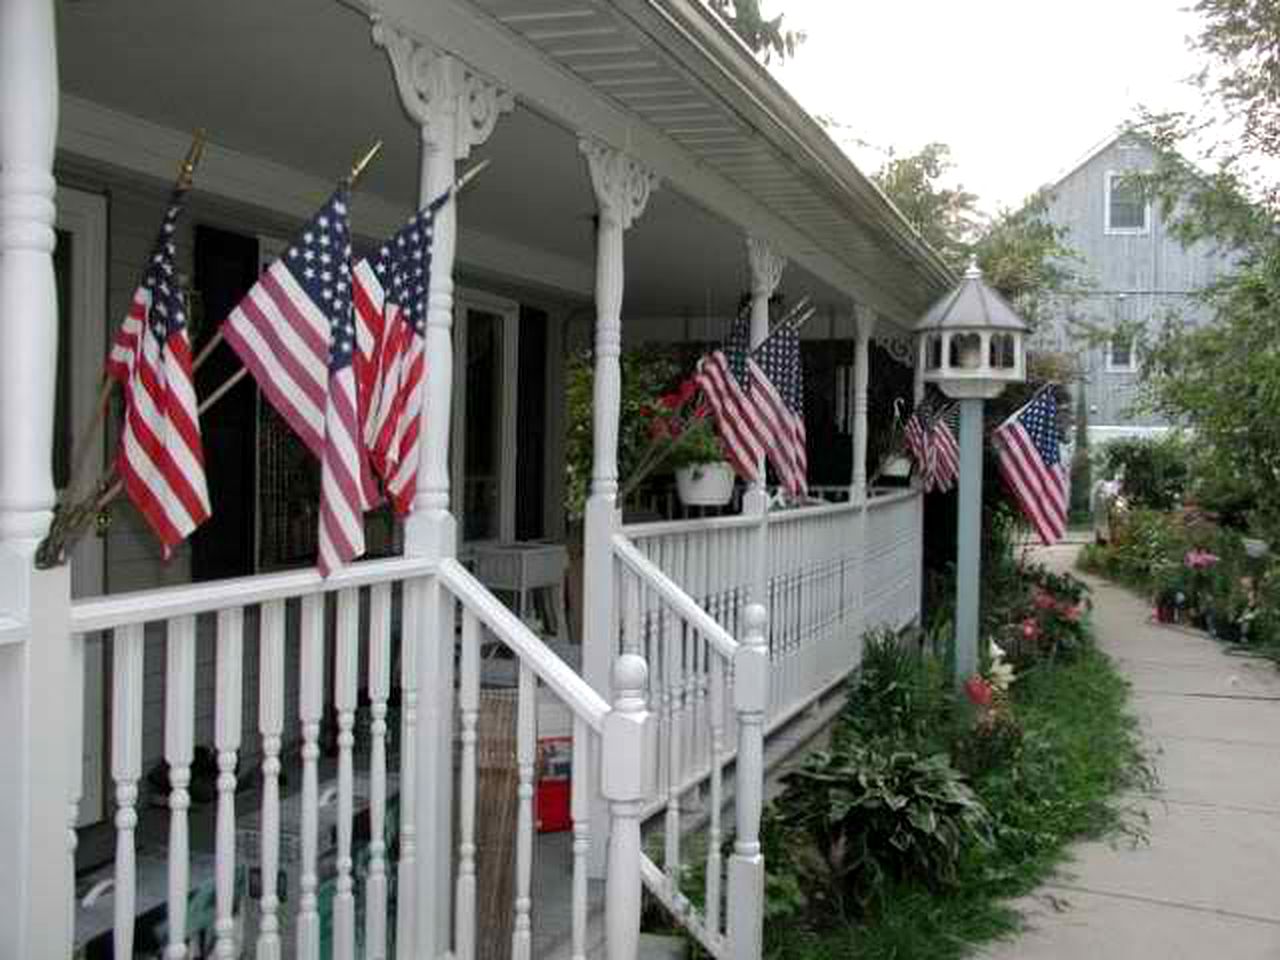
x=971, y=342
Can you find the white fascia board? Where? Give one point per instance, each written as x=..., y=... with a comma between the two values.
x=553, y=91
x=89, y=130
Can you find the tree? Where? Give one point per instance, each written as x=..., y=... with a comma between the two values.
x=766, y=37
x=946, y=217
x=1027, y=258
x=1223, y=379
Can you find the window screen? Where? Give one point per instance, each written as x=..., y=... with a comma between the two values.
x=1127, y=204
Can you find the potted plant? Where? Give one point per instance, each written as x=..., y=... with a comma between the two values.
x=703, y=477
x=683, y=439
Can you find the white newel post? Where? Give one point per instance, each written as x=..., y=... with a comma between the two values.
x=455, y=110
x=766, y=273
x=746, y=863
x=39, y=674
x=624, y=780
x=622, y=187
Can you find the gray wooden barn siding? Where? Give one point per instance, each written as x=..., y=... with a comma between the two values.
x=1132, y=280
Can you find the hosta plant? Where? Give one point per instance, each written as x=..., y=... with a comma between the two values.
x=879, y=815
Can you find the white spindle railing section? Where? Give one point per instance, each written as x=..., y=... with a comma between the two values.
x=895, y=530
x=295, y=626
x=310, y=639
x=701, y=682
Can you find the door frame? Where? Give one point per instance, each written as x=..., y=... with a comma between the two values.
x=509, y=310
x=84, y=215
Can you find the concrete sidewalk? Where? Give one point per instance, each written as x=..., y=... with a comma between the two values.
x=1208, y=882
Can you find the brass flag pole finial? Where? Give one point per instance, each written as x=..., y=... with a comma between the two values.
x=187, y=172
x=357, y=168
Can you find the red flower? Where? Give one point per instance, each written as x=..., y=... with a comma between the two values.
x=1030, y=628
x=1071, y=613
x=979, y=691
x=671, y=401
x=687, y=390
x=1043, y=600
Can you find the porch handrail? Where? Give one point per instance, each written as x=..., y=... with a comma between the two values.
x=681, y=603
x=90, y=615
x=564, y=681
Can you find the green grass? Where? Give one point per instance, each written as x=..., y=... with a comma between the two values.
x=1080, y=751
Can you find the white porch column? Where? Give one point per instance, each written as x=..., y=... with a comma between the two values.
x=865, y=319
x=766, y=273
x=622, y=187
x=455, y=109
x=40, y=750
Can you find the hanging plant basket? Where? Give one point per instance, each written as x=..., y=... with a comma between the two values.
x=897, y=467
x=705, y=484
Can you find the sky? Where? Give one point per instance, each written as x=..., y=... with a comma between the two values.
x=1020, y=91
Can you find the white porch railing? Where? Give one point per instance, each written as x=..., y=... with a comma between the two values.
x=364, y=628
x=681, y=596
x=702, y=682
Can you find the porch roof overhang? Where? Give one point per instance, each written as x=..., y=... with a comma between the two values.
x=662, y=79
x=671, y=84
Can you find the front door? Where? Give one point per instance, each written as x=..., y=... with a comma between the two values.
x=80, y=264
x=486, y=358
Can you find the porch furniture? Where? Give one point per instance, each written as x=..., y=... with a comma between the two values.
x=95, y=907
x=522, y=567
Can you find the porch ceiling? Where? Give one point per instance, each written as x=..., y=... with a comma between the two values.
x=187, y=63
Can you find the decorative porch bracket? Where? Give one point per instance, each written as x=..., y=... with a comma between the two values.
x=766, y=266
x=41, y=753
x=455, y=109
x=622, y=188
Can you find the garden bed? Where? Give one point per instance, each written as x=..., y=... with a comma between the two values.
x=1195, y=572
x=931, y=809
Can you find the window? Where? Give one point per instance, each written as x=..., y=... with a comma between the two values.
x=1120, y=355
x=1127, y=209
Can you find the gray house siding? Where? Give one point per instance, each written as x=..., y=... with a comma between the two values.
x=1133, y=280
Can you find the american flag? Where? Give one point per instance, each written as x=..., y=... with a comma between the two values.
x=161, y=457
x=946, y=451
x=1031, y=464
x=931, y=439
x=777, y=386
x=295, y=331
x=391, y=331
x=723, y=378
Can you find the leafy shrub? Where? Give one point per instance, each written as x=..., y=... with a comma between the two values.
x=1155, y=470
x=898, y=693
x=878, y=815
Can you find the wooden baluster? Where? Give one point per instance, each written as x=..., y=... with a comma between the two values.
x=127, y=654
x=406, y=869
x=469, y=704
x=526, y=755
x=375, y=915
x=345, y=672
x=179, y=742
x=715, y=865
x=310, y=713
x=673, y=648
x=271, y=727
x=580, y=811
x=228, y=707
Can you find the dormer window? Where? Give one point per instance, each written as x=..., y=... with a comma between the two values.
x=1128, y=211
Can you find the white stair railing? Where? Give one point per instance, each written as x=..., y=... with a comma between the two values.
x=700, y=682
x=287, y=652
x=625, y=784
